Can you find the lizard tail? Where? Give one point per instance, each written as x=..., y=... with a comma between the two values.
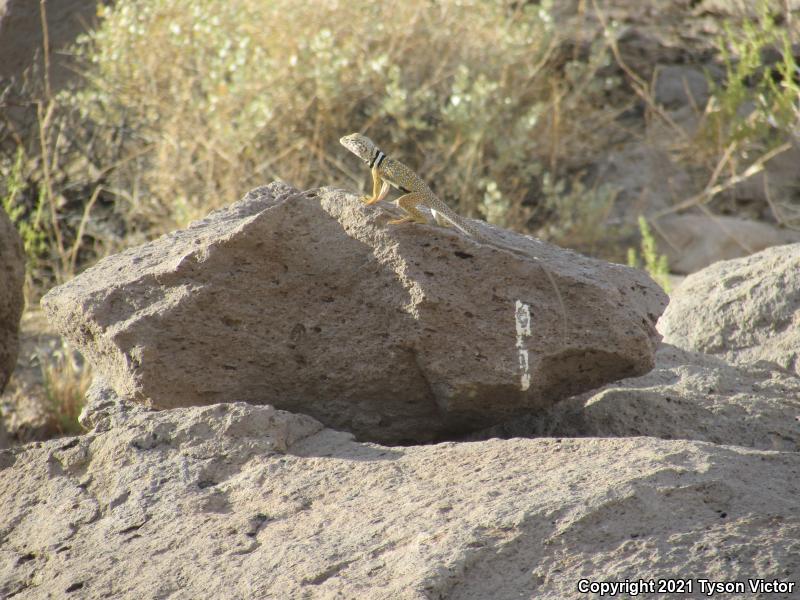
x=560, y=301
x=444, y=220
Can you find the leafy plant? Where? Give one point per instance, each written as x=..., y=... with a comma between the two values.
x=30, y=226
x=576, y=215
x=753, y=115
x=758, y=101
x=651, y=261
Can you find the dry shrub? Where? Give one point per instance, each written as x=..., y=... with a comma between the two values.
x=210, y=98
x=66, y=380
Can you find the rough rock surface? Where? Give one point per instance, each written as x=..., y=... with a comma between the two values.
x=744, y=310
x=239, y=501
x=12, y=279
x=310, y=302
x=693, y=242
x=687, y=396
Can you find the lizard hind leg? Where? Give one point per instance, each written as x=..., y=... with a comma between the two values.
x=409, y=204
x=440, y=219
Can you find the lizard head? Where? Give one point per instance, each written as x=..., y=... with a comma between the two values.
x=360, y=145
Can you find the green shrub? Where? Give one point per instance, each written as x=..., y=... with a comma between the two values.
x=752, y=116
x=575, y=215
x=757, y=101
x=651, y=261
x=755, y=108
x=29, y=222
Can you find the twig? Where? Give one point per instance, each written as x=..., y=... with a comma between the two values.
x=712, y=190
x=45, y=48
x=79, y=235
x=725, y=229
x=44, y=118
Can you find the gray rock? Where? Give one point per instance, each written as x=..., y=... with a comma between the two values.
x=745, y=311
x=681, y=85
x=102, y=406
x=238, y=501
x=645, y=176
x=12, y=302
x=774, y=189
x=310, y=302
x=5, y=440
x=692, y=242
x=21, y=35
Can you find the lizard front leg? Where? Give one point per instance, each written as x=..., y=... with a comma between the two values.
x=409, y=203
x=379, y=189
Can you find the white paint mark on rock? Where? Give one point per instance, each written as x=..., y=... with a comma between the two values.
x=522, y=315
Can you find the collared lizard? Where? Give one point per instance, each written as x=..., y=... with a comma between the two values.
x=387, y=172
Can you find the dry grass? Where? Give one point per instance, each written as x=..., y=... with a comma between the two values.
x=46, y=392
x=66, y=380
x=480, y=97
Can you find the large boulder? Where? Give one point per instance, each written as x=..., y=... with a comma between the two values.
x=745, y=310
x=310, y=302
x=241, y=501
x=12, y=301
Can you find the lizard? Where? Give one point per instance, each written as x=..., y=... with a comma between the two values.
x=389, y=173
